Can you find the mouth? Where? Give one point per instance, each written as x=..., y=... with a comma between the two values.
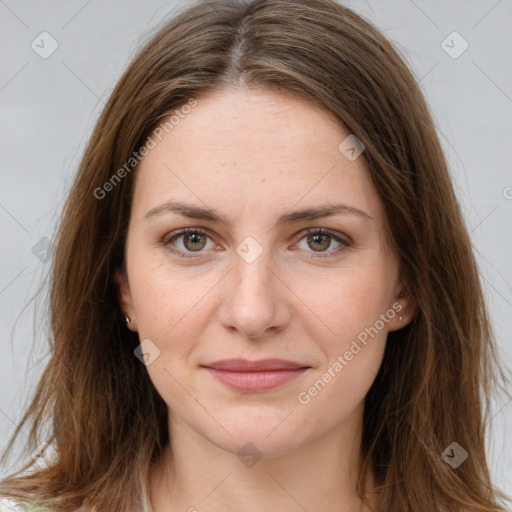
x=254, y=376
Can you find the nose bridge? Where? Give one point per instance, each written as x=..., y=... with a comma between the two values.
x=253, y=275
x=254, y=303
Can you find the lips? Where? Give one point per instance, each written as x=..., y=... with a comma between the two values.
x=253, y=376
x=263, y=365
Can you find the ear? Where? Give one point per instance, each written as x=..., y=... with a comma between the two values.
x=404, y=307
x=124, y=297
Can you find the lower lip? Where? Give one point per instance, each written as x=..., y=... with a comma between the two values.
x=256, y=381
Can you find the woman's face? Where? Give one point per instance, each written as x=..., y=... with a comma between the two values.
x=256, y=285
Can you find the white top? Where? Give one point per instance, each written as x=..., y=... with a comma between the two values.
x=8, y=505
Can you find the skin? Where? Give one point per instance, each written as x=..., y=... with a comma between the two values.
x=252, y=156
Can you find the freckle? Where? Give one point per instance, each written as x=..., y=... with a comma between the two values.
x=262, y=180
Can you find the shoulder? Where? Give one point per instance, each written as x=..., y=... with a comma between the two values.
x=8, y=505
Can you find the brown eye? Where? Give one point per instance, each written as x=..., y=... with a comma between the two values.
x=320, y=241
x=194, y=241
x=187, y=241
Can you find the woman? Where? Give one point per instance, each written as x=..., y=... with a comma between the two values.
x=263, y=294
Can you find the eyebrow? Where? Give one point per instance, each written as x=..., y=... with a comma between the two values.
x=210, y=214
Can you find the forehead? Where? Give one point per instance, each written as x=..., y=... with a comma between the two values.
x=257, y=148
x=238, y=120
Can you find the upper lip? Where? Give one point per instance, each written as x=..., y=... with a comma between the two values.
x=261, y=365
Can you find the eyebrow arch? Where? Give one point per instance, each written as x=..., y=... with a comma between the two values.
x=210, y=214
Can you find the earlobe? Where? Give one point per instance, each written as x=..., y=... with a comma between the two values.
x=404, y=308
x=124, y=299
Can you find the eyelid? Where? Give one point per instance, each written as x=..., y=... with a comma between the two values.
x=174, y=235
x=343, y=239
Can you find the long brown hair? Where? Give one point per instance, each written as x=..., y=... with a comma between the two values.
x=105, y=418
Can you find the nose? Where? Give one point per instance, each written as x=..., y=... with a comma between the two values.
x=255, y=301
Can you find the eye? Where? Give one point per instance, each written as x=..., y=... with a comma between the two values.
x=194, y=240
x=320, y=240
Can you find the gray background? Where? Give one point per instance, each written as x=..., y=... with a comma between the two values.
x=49, y=106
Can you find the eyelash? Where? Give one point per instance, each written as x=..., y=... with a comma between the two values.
x=171, y=237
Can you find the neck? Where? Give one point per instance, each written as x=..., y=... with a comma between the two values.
x=196, y=475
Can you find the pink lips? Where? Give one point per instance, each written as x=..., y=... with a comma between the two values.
x=259, y=375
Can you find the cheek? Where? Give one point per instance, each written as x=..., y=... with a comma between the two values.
x=173, y=311
x=346, y=302
x=332, y=396
x=356, y=310
x=164, y=300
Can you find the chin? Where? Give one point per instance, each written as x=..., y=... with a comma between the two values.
x=257, y=446
x=272, y=435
